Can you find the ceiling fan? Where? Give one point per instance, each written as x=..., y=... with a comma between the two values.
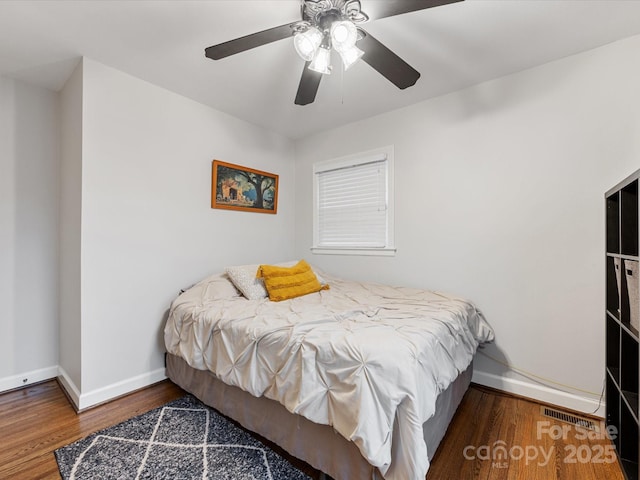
x=328, y=24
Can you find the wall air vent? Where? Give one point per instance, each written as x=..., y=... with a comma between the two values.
x=565, y=417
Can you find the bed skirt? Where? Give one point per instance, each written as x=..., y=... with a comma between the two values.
x=318, y=445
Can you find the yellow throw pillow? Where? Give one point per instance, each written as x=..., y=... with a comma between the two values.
x=283, y=283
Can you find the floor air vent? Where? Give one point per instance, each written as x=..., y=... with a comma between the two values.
x=569, y=418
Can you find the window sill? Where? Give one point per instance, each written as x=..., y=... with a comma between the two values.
x=378, y=252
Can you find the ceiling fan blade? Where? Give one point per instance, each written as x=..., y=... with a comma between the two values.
x=222, y=50
x=387, y=63
x=308, y=86
x=389, y=8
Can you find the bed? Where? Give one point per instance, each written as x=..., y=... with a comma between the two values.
x=360, y=380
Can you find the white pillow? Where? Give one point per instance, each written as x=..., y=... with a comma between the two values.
x=219, y=287
x=244, y=278
x=214, y=287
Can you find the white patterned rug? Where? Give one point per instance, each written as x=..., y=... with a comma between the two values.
x=184, y=439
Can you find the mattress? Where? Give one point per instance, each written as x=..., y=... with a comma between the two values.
x=368, y=360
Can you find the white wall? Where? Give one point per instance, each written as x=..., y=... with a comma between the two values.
x=500, y=198
x=105, y=214
x=70, y=345
x=147, y=227
x=29, y=164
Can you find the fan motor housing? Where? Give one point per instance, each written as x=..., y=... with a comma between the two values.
x=326, y=19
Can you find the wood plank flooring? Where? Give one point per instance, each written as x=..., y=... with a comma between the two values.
x=537, y=447
x=36, y=420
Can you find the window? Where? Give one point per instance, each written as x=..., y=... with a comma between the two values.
x=353, y=204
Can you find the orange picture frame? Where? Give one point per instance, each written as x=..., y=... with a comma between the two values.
x=234, y=187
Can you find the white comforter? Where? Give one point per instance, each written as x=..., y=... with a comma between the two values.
x=356, y=357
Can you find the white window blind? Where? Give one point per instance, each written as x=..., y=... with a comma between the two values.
x=352, y=204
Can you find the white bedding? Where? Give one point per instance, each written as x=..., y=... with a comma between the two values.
x=357, y=357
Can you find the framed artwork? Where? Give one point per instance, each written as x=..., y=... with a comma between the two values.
x=241, y=188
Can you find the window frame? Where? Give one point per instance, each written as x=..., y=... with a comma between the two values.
x=385, y=154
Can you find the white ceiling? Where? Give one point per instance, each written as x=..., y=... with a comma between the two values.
x=453, y=46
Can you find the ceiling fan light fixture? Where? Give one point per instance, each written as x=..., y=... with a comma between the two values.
x=350, y=56
x=322, y=61
x=307, y=43
x=334, y=24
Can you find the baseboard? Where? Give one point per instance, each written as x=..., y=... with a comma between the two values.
x=70, y=389
x=541, y=393
x=82, y=401
x=28, y=378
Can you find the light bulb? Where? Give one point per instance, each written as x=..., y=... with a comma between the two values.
x=322, y=61
x=344, y=35
x=306, y=43
x=350, y=56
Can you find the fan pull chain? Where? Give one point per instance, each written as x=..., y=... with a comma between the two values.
x=341, y=83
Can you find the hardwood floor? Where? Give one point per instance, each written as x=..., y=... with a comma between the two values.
x=36, y=420
x=537, y=447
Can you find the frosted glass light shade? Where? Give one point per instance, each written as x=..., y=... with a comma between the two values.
x=343, y=35
x=306, y=43
x=350, y=56
x=322, y=61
